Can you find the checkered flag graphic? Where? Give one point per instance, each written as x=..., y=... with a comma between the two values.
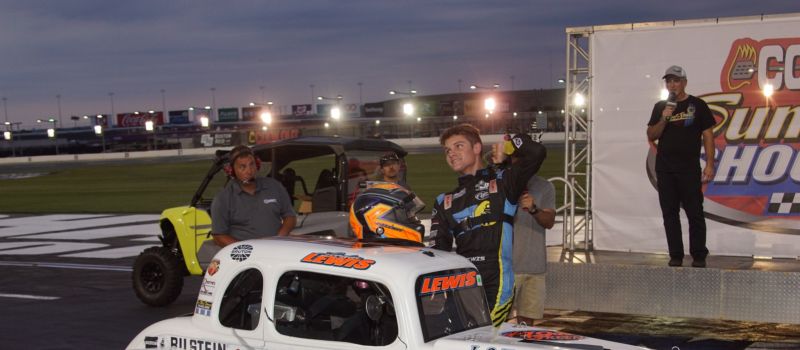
x=784, y=203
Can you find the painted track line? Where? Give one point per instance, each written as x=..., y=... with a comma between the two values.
x=28, y=296
x=67, y=266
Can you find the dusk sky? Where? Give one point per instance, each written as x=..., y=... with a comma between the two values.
x=83, y=50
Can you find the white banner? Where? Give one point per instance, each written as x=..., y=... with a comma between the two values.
x=753, y=204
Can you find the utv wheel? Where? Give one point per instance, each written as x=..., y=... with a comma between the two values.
x=157, y=276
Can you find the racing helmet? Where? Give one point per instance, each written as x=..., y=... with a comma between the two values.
x=386, y=210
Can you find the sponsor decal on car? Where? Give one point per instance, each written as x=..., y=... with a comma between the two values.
x=445, y=283
x=241, y=252
x=207, y=287
x=195, y=344
x=203, y=307
x=533, y=336
x=213, y=267
x=150, y=342
x=338, y=260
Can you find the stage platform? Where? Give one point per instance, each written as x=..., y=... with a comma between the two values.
x=729, y=288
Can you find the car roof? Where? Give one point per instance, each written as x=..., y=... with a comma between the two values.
x=314, y=146
x=388, y=259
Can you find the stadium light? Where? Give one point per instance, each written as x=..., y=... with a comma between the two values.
x=266, y=118
x=579, y=100
x=489, y=104
x=494, y=86
x=336, y=113
x=408, y=109
x=148, y=126
x=377, y=122
x=204, y=122
x=98, y=130
x=51, y=133
x=7, y=135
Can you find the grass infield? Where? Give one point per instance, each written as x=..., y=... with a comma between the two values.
x=154, y=186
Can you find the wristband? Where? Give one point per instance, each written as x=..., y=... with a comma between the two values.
x=534, y=210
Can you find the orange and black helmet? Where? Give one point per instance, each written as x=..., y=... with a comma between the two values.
x=385, y=210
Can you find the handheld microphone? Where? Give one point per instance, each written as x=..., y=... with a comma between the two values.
x=671, y=100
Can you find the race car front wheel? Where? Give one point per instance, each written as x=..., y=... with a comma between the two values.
x=157, y=276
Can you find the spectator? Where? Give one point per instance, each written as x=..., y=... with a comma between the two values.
x=535, y=213
x=249, y=207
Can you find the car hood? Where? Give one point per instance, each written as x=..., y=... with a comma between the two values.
x=523, y=337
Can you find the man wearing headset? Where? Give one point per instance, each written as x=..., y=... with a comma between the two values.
x=249, y=207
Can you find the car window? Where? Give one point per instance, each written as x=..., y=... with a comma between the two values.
x=328, y=307
x=241, y=304
x=451, y=301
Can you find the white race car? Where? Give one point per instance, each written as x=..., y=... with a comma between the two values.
x=327, y=293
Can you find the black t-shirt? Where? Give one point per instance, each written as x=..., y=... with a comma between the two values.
x=679, y=144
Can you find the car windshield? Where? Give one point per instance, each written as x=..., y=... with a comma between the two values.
x=450, y=301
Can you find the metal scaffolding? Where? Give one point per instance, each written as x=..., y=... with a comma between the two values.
x=578, y=142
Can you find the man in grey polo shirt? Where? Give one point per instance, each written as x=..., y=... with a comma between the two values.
x=250, y=207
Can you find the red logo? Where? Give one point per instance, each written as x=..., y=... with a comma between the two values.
x=449, y=282
x=541, y=335
x=338, y=260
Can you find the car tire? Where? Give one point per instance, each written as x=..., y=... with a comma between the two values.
x=157, y=276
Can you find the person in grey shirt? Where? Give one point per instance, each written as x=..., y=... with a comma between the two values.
x=249, y=207
x=535, y=213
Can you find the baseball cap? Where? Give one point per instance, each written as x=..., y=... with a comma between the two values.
x=677, y=71
x=389, y=157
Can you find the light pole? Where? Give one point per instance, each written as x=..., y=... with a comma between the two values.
x=213, y=103
x=8, y=135
x=312, y=95
x=164, y=102
x=486, y=101
x=512, y=82
x=58, y=99
x=111, y=97
x=5, y=107
x=51, y=132
x=336, y=112
x=262, y=87
x=360, y=93
x=459, y=85
x=408, y=107
x=98, y=131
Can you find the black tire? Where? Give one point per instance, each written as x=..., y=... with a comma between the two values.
x=157, y=276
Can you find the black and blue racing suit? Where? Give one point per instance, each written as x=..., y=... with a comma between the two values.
x=479, y=215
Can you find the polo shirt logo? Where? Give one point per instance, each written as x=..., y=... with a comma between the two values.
x=270, y=200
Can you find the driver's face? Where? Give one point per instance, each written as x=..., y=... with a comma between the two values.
x=460, y=154
x=391, y=170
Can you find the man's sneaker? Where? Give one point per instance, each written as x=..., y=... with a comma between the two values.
x=675, y=261
x=699, y=263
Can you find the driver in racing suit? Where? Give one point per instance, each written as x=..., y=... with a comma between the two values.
x=479, y=213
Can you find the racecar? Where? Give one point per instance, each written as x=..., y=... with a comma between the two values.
x=336, y=165
x=306, y=292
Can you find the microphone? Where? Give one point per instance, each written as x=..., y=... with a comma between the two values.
x=671, y=100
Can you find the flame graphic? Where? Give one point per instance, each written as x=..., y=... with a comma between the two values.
x=746, y=53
